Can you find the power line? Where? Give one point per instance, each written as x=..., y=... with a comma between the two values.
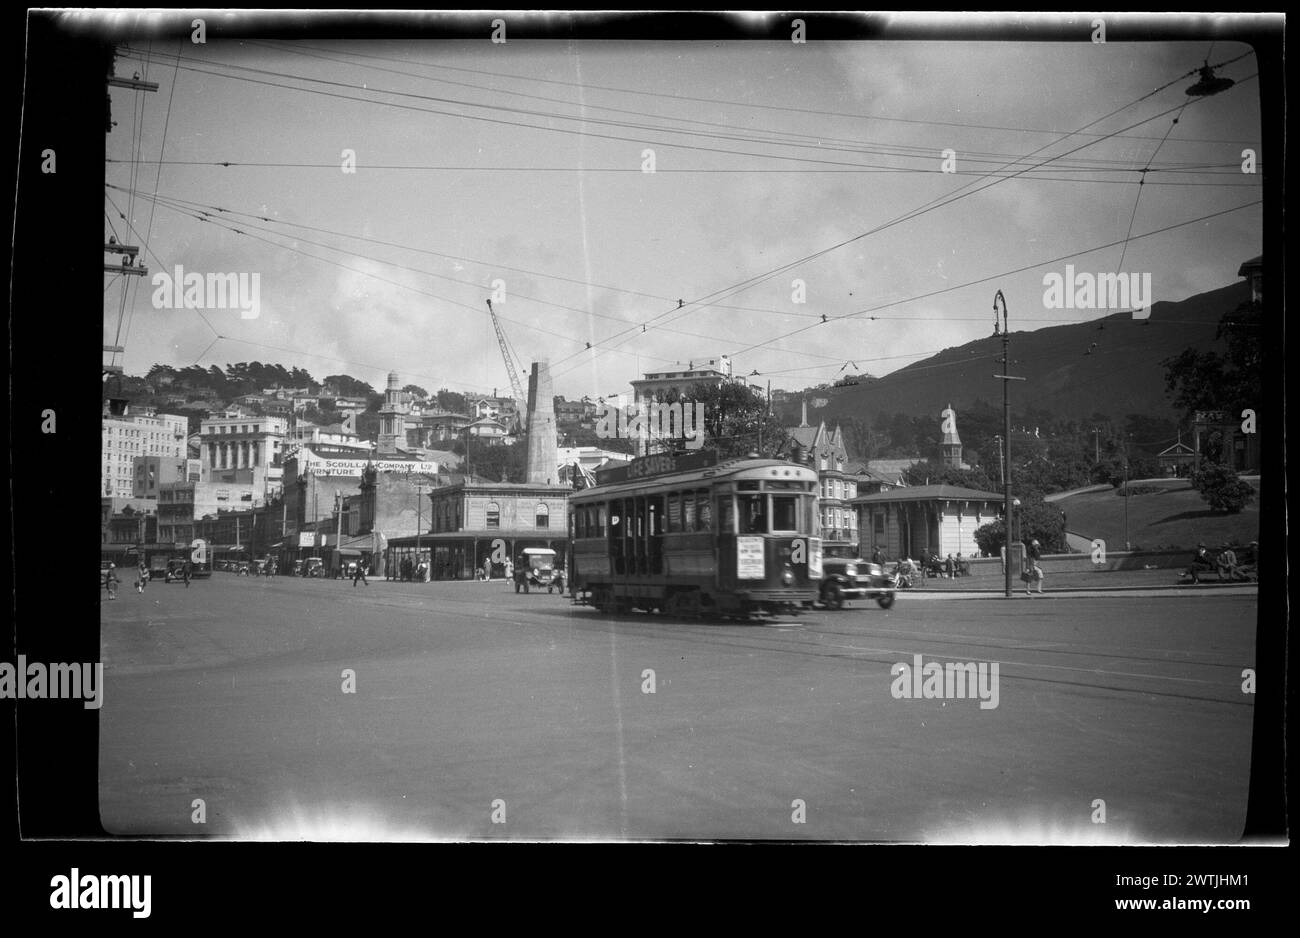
x=934, y=204
x=531, y=79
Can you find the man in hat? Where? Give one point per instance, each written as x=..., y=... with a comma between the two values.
x=1200, y=561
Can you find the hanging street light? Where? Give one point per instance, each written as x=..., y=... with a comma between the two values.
x=1209, y=83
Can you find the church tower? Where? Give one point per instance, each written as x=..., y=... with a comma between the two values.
x=392, y=419
x=951, y=445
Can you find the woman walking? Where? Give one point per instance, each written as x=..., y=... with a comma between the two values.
x=1033, y=568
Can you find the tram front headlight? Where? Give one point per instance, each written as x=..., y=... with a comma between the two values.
x=787, y=576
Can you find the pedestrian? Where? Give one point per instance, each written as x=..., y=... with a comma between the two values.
x=360, y=575
x=950, y=567
x=1033, y=553
x=875, y=555
x=186, y=570
x=1227, y=564
x=142, y=577
x=111, y=580
x=1200, y=561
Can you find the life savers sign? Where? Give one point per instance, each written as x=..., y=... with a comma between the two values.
x=307, y=539
x=749, y=558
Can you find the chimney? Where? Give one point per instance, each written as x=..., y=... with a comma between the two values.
x=804, y=422
x=541, y=453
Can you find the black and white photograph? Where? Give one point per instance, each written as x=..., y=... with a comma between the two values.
x=526, y=427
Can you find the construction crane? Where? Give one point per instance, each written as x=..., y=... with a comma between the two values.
x=516, y=386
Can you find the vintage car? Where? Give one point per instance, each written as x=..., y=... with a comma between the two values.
x=536, y=567
x=315, y=567
x=845, y=578
x=175, y=571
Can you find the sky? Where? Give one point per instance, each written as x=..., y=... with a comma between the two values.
x=516, y=172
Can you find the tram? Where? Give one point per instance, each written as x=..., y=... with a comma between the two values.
x=678, y=535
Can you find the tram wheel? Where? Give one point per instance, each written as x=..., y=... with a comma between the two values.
x=833, y=597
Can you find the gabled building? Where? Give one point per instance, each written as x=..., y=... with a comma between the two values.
x=824, y=451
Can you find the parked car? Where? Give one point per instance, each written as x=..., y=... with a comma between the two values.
x=315, y=567
x=845, y=578
x=158, y=568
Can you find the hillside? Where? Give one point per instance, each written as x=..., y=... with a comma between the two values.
x=1175, y=516
x=1122, y=375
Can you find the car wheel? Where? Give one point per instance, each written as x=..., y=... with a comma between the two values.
x=885, y=600
x=833, y=596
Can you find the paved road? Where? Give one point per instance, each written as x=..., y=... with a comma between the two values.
x=470, y=699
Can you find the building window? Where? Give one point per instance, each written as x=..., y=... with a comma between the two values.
x=543, y=516
x=493, y=515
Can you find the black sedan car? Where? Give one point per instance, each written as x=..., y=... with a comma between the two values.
x=845, y=578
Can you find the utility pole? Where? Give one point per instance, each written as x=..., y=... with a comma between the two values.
x=419, y=518
x=1006, y=419
x=1096, y=442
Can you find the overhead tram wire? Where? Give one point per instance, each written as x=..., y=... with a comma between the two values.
x=1018, y=270
x=927, y=207
x=477, y=117
x=162, y=147
x=200, y=215
x=533, y=80
x=488, y=264
x=926, y=152
x=1030, y=175
x=527, y=325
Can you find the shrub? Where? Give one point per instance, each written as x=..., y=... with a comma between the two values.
x=1221, y=489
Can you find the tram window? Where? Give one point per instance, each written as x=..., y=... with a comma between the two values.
x=785, y=513
x=703, y=511
x=688, y=511
x=600, y=521
x=674, y=513
x=726, y=514
x=655, y=505
x=751, y=517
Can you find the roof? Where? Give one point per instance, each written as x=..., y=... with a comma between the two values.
x=919, y=493
x=1255, y=263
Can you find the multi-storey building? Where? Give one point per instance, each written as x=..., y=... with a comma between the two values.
x=126, y=437
x=825, y=451
x=245, y=442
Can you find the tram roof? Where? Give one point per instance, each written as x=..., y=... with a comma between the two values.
x=743, y=468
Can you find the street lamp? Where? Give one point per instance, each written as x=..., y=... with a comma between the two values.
x=1005, y=329
x=419, y=517
x=338, y=528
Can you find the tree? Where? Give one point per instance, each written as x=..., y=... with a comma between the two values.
x=1227, y=381
x=933, y=472
x=1035, y=520
x=416, y=390
x=736, y=419
x=1221, y=489
x=348, y=386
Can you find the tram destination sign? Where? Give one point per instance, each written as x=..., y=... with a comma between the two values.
x=656, y=465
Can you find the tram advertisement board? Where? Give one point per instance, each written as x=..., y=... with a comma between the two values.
x=749, y=558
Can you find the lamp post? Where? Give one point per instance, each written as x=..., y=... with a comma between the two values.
x=419, y=517
x=1006, y=420
x=338, y=528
